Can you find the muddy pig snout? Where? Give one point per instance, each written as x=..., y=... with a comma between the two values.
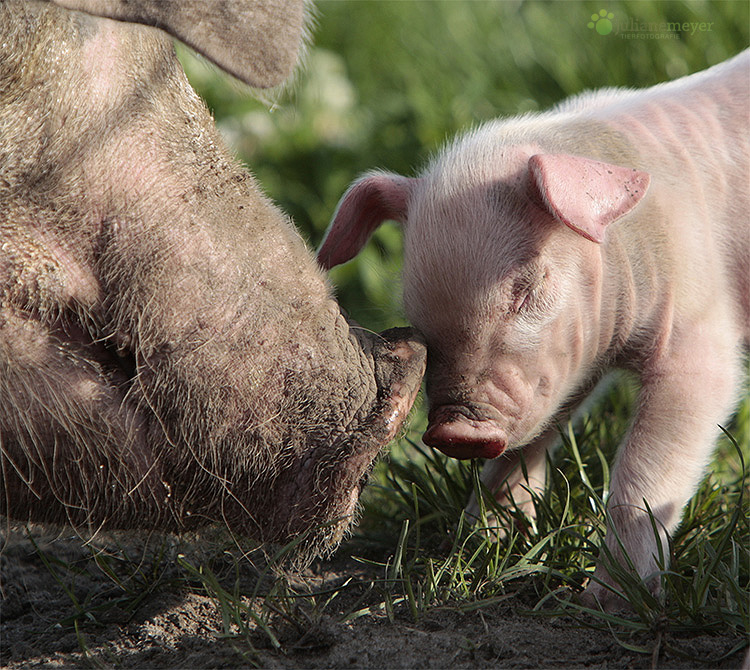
x=466, y=431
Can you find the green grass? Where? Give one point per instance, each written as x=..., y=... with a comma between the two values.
x=420, y=503
x=418, y=554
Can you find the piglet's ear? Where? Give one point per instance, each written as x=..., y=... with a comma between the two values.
x=372, y=199
x=586, y=195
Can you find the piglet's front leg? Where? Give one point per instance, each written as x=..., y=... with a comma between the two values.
x=686, y=393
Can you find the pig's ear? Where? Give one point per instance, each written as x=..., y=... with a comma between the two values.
x=586, y=195
x=255, y=40
x=374, y=198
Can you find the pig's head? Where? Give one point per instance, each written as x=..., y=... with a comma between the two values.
x=170, y=352
x=503, y=274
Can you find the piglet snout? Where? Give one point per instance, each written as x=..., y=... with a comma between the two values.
x=461, y=431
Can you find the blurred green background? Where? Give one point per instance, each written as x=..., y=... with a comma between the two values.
x=385, y=83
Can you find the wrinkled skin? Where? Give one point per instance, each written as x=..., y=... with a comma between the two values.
x=170, y=353
x=540, y=251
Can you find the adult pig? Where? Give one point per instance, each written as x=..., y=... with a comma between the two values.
x=542, y=250
x=170, y=353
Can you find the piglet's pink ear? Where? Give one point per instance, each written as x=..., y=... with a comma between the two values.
x=372, y=199
x=586, y=195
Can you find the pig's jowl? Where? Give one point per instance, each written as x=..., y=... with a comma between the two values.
x=170, y=353
x=611, y=231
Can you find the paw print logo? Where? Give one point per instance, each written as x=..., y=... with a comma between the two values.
x=602, y=22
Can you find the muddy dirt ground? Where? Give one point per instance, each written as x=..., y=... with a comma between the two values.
x=172, y=625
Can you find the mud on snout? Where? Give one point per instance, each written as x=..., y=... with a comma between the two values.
x=319, y=493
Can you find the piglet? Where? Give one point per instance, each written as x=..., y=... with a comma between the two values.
x=611, y=231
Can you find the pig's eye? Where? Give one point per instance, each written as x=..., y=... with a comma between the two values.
x=522, y=302
x=522, y=295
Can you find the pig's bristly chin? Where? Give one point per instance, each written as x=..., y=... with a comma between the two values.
x=456, y=441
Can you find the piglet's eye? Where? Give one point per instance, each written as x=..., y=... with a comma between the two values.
x=529, y=291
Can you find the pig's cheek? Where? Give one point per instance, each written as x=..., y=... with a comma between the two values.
x=57, y=392
x=54, y=373
x=41, y=272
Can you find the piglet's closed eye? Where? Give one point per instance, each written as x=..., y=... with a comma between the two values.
x=585, y=194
